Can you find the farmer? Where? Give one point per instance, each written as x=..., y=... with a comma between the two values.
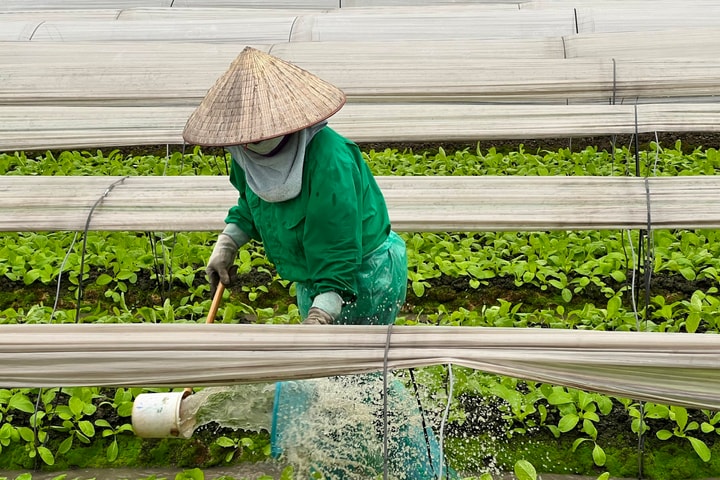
x=305, y=192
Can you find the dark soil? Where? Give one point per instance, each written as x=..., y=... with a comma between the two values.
x=451, y=292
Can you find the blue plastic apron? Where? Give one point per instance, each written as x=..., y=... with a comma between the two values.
x=382, y=285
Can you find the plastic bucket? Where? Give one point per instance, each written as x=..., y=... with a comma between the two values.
x=157, y=415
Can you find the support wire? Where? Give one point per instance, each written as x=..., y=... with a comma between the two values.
x=385, y=403
x=85, y=235
x=422, y=418
x=444, y=419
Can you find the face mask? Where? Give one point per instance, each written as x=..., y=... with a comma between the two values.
x=265, y=146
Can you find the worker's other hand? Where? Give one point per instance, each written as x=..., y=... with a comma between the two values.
x=318, y=316
x=221, y=263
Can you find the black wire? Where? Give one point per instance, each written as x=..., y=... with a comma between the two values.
x=637, y=144
x=37, y=407
x=648, y=251
x=614, y=91
x=160, y=276
x=422, y=417
x=85, y=235
x=647, y=276
x=385, y=403
x=577, y=29
x=643, y=252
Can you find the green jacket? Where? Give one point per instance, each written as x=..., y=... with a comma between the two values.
x=321, y=236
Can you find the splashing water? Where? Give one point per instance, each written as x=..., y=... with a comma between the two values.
x=331, y=426
x=242, y=407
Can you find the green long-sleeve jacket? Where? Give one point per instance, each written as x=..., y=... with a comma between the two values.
x=319, y=237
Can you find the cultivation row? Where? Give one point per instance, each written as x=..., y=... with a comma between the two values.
x=586, y=280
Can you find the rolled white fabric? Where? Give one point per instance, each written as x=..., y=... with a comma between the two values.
x=670, y=368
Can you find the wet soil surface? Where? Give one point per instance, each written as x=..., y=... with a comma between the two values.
x=246, y=472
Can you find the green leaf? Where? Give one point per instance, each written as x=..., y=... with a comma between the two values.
x=287, y=473
x=566, y=295
x=86, y=428
x=6, y=431
x=418, y=288
x=101, y=422
x=578, y=441
x=125, y=427
x=604, y=404
x=112, y=451
x=559, y=397
x=193, y=474
x=225, y=442
x=524, y=470
x=31, y=276
x=125, y=410
x=19, y=401
x=247, y=442
x=76, y=406
x=680, y=415
x=65, y=446
x=688, y=273
x=613, y=306
x=598, y=455
x=618, y=275
x=103, y=279
x=664, y=434
x=692, y=322
x=26, y=434
x=568, y=422
x=707, y=428
x=604, y=476
x=46, y=455
x=591, y=415
x=589, y=428
x=700, y=448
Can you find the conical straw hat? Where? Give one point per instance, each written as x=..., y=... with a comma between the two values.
x=260, y=97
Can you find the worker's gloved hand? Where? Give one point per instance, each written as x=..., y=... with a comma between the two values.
x=325, y=309
x=318, y=316
x=221, y=265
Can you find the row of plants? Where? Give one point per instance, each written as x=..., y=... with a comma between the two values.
x=568, y=267
x=525, y=279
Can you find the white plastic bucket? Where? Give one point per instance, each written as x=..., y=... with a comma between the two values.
x=157, y=415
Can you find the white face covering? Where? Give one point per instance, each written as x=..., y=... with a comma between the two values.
x=277, y=177
x=265, y=146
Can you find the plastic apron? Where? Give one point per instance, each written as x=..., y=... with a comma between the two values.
x=413, y=453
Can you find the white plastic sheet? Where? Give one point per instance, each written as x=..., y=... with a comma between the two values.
x=669, y=368
x=415, y=203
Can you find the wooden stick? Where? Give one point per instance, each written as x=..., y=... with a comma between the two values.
x=215, y=303
x=211, y=314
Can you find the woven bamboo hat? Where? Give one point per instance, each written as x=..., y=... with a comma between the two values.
x=260, y=97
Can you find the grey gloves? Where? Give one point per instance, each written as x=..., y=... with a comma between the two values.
x=221, y=261
x=221, y=266
x=326, y=306
x=325, y=309
x=318, y=316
